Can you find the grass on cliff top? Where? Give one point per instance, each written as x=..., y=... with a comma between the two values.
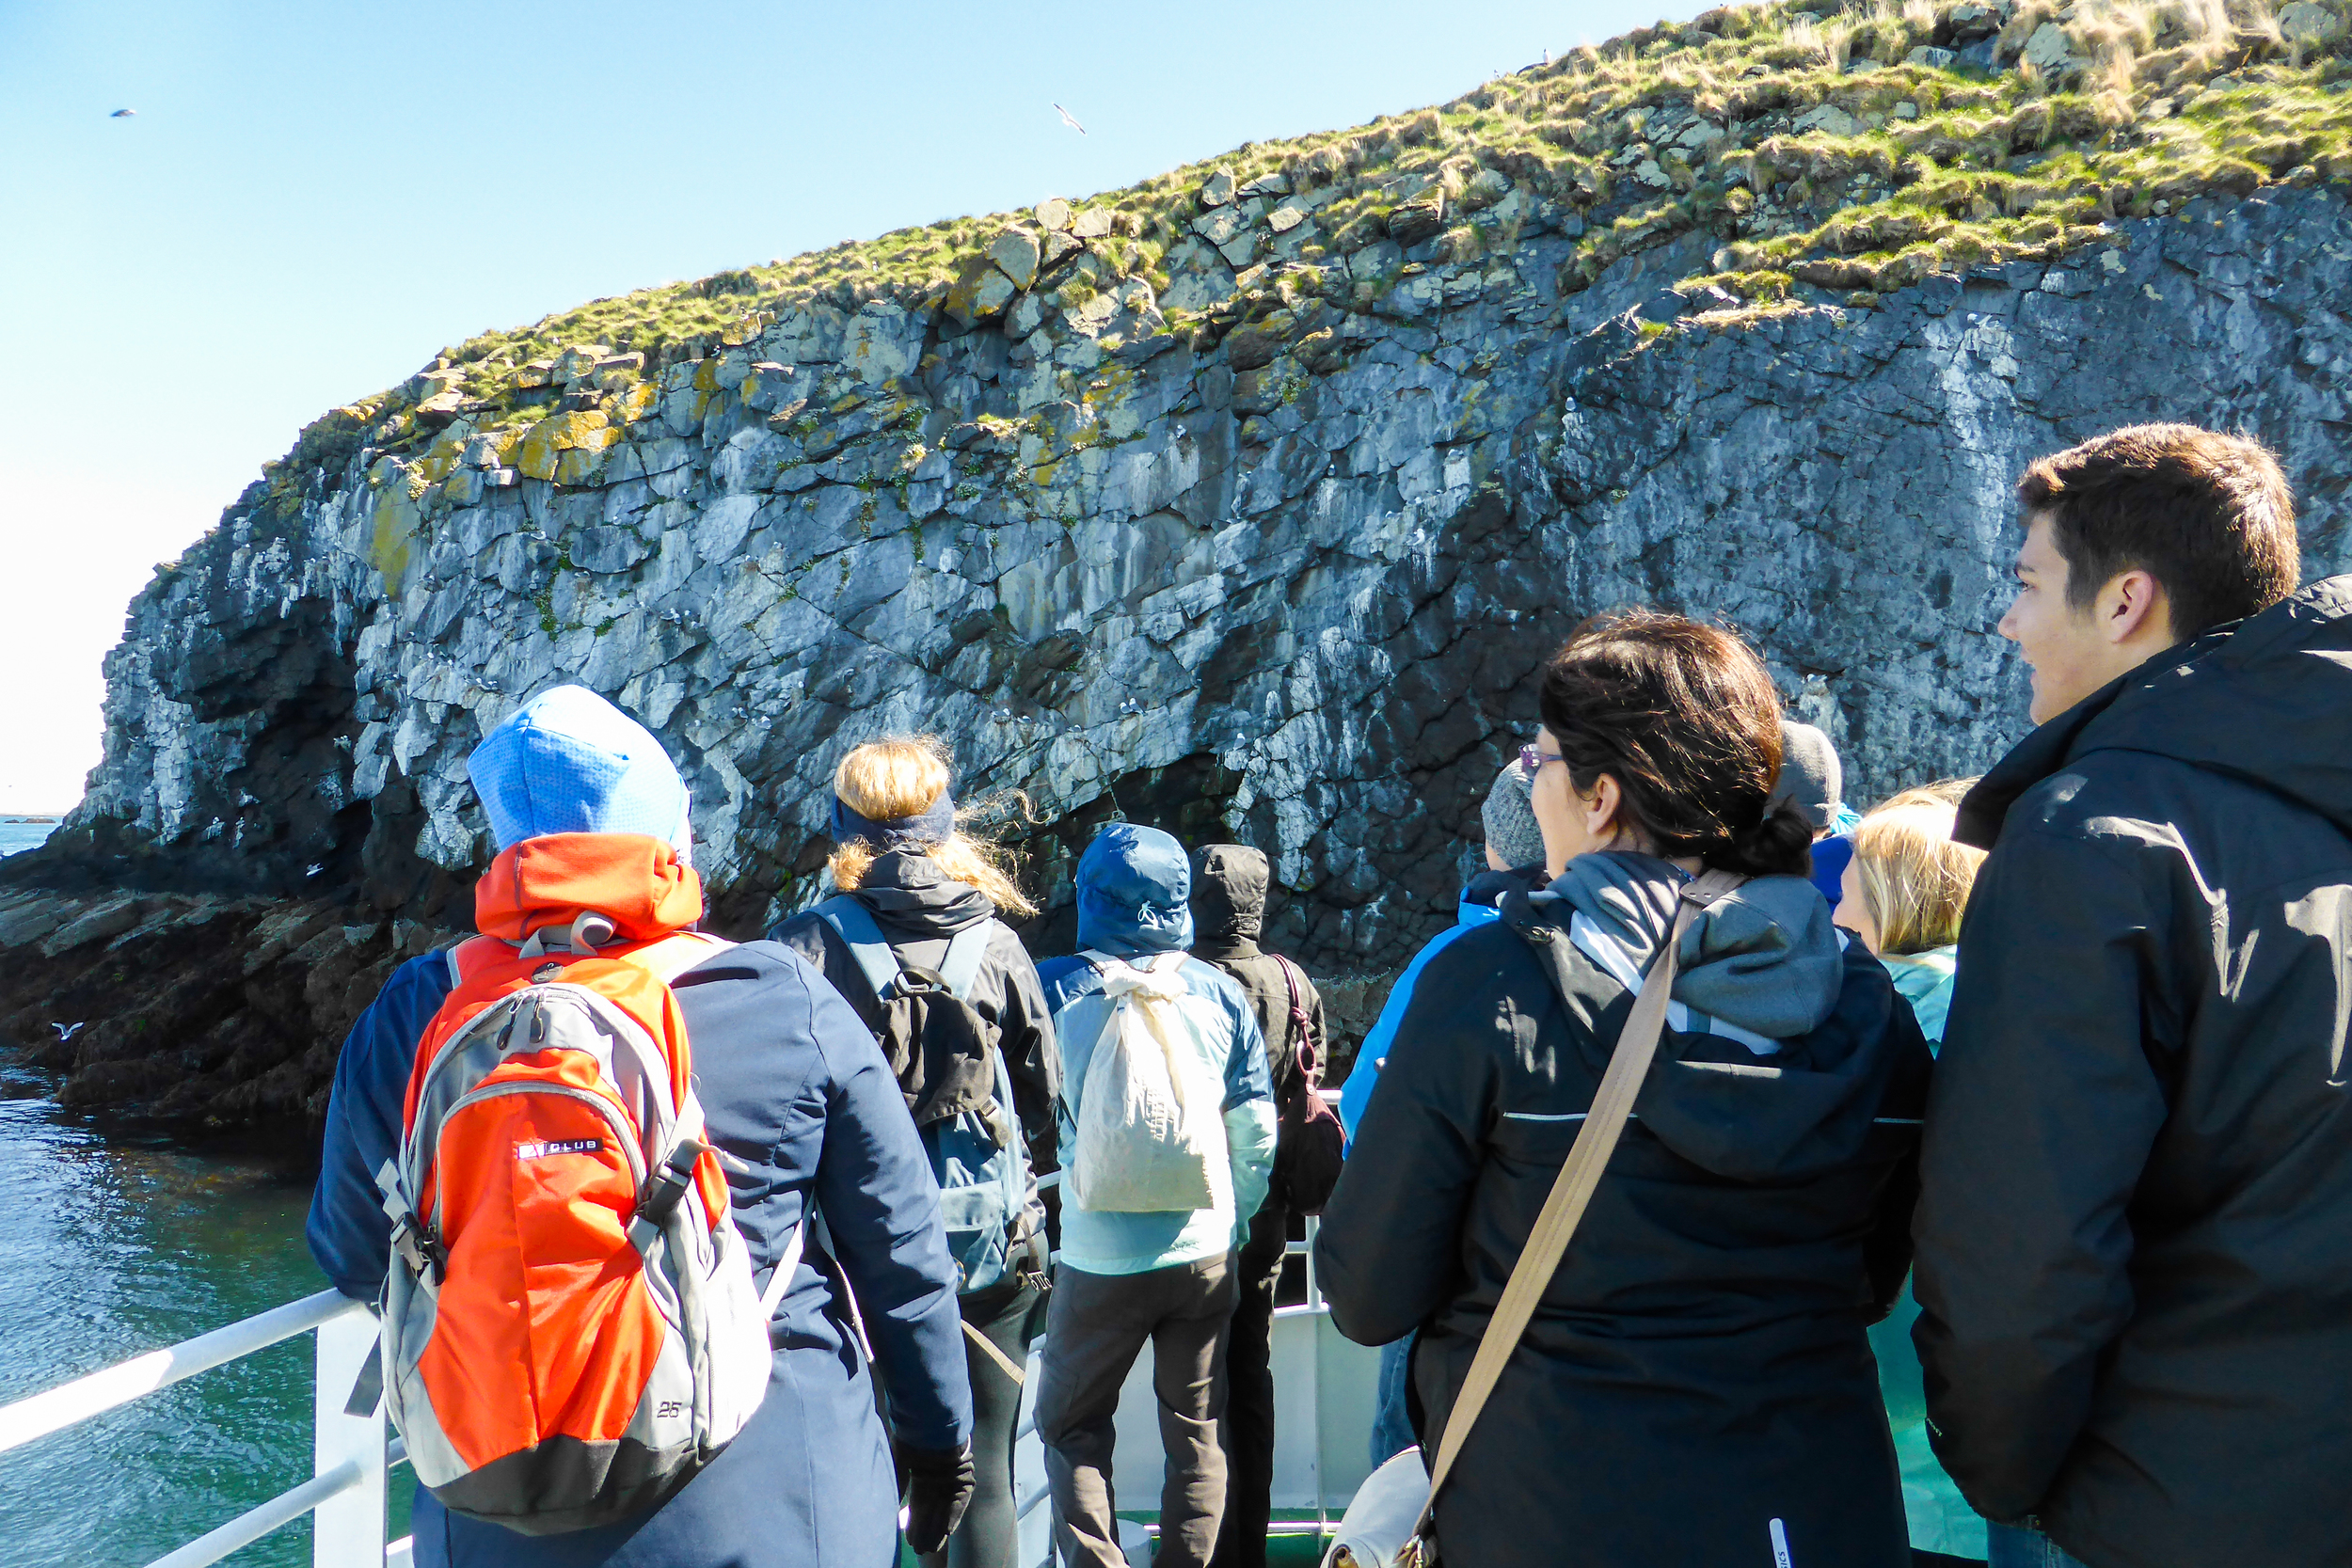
x=2099, y=110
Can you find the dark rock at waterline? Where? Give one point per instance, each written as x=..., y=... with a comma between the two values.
x=200, y=1010
x=1296, y=602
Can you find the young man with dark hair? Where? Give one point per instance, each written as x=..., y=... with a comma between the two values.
x=2135, y=1240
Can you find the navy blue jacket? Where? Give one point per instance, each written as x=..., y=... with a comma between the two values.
x=794, y=1087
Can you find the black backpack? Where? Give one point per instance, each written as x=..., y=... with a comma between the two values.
x=944, y=1052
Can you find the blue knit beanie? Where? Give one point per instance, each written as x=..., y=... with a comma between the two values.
x=569, y=762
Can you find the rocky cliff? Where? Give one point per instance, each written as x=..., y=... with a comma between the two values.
x=1244, y=503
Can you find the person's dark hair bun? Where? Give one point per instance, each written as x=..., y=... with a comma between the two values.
x=1684, y=717
x=1781, y=845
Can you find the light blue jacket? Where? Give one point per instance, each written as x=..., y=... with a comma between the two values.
x=1357, y=1092
x=1925, y=980
x=1941, y=1519
x=1134, y=891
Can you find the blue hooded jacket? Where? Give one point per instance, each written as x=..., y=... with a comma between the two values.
x=1478, y=905
x=1133, y=890
x=801, y=1099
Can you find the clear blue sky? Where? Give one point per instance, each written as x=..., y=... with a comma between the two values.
x=313, y=199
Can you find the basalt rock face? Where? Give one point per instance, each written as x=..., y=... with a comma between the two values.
x=1283, y=578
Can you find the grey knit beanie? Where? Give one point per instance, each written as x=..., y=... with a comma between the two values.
x=1811, y=776
x=1509, y=815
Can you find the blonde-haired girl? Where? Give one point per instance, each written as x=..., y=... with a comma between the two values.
x=1904, y=892
x=902, y=855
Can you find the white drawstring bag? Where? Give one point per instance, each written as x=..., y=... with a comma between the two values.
x=1150, y=1131
x=1381, y=1515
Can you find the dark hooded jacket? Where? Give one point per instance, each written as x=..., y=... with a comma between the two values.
x=919, y=909
x=1698, y=1367
x=2135, y=1246
x=1228, y=916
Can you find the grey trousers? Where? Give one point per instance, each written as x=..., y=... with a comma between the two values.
x=1094, y=1329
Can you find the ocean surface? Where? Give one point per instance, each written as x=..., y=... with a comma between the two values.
x=113, y=1244
x=15, y=836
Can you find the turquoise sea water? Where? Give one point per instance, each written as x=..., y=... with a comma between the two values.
x=15, y=836
x=113, y=1244
x=113, y=1248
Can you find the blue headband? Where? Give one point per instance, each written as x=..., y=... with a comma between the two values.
x=935, y=825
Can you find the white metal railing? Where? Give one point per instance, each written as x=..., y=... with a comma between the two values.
x=350, y=1454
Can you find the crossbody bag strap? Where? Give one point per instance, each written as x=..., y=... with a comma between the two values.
x=1305, y=1049
x=1548, y=1242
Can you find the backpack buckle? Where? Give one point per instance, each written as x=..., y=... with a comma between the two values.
x=426, y=1256
x=666, y=1190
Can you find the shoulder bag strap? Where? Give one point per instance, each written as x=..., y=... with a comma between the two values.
x=1305, y=1049
x=1539, y=1259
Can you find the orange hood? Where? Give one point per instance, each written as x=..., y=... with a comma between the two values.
x=638, y=883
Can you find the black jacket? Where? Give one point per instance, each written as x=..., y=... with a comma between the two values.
x=2135, y=1247
x=1698, y=1367
x=919, y=909
x=1229, y=890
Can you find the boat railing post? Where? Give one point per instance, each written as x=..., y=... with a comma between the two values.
x=347, y=1531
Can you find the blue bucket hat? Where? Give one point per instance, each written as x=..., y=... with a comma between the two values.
x=569, y=762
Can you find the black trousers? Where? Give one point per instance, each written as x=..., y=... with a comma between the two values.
x=990, y=1535
x=1249, y=1432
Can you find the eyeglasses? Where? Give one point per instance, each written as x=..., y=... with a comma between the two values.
x=1532, y=761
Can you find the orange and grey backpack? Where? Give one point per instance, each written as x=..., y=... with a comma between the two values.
x=571, y=1329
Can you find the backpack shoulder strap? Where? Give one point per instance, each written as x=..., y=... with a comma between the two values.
x=960, y=968
x=854, y=925
x=672, y=956
x=469, y=957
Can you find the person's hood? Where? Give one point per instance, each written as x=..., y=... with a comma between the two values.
x=1229, y=902
x=569, y=762
x=1133, y=885
x=912, y=897
x=1764, y=957
x=1483, y=894
x=1797, y=1086
x=640, y=884
x=2261, y=702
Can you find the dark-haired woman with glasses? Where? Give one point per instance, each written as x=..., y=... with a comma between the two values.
x=1696, y=1386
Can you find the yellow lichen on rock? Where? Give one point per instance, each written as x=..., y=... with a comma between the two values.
x=437, y=463
x=638, y=400
x=979, y=291
x=394, y=525
x=589, y=430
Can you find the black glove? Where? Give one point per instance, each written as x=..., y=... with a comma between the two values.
x=938, y=1484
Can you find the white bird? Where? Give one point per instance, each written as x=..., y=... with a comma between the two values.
x=1065, y=119
x=312, y=870
x=66, y=1031
x=122, y=114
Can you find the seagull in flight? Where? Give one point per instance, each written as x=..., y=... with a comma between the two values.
x=66, y=1031
x=122, y=114
x=1067, y=119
